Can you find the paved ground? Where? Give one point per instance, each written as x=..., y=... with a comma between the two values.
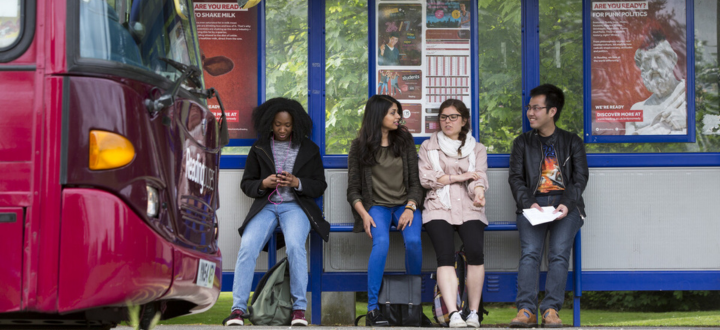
x=218, y=327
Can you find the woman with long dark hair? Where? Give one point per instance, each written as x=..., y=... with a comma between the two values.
x=384, y=189
x=284, y=174
x=453, y=166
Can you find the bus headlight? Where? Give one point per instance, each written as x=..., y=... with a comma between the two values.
x=109, y=150
x=153, y=202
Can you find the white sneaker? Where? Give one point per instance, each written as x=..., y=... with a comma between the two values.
x=456, y=321
x=473, y=321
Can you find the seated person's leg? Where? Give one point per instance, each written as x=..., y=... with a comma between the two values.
x=296, y=227
x=411, y=237
x=381, y=243
x=255, y=236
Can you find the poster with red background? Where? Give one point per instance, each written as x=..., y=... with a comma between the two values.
x=400, y=84
x=412, y=114
x=228, y=41
x=619, y=29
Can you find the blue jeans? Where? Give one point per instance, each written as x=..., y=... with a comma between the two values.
x=385, y=216
x=560, y=242
x=295, y=227
x=383, y=88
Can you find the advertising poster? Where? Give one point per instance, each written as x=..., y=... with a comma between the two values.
x=228, y=42
x=423, y=57
x=638, y=68
x=448, y=65
x=448, y=14
x=431, y=120
x=412, y=115
x=399, y=34
x=400, y=84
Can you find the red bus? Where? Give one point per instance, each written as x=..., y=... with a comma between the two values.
x=108, y=163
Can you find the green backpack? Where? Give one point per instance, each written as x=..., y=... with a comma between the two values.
x=272, y=303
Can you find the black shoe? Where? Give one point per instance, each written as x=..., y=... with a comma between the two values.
x=235, y=318
x=375, y=319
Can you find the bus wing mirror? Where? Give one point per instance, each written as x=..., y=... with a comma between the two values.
x=224, y=137
x=168, y=98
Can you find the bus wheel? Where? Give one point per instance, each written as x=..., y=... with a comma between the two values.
x=147, y=314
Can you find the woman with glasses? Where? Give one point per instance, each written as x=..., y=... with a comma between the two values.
x=384, y=190
x=453, y=168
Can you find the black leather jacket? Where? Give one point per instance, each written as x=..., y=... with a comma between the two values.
x=526, y=160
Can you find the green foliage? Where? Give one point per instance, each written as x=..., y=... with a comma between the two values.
x=561, y=29
x=651, y=301
x=500, y=74
x=346, y=58
x=346, y=71
x=286, y=50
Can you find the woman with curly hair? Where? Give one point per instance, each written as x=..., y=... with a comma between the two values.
x=384, y=189
x=453, y=166
x=284, y=174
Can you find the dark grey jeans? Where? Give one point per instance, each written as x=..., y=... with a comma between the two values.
x=560, y=242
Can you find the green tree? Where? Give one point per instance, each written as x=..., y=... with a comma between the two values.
x=286, y=49
x=500, y=73
x=346, y=71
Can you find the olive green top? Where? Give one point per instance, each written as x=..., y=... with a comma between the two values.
x=387, y=178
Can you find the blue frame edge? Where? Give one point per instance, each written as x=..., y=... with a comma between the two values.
x=503, y=160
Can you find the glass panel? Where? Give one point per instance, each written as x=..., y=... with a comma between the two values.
x=10, y=22
x=346, y=77
x=239, y=151
x=139, y=33
x=499, y=39
x=286, y=54
x=707, y=60
x=561, y=64
x=561, y=57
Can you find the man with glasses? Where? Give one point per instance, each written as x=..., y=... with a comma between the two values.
x=548, y=167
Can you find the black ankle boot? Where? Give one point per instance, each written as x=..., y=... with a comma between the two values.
x=375, y=319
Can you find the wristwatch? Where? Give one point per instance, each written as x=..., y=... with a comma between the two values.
x=411, y=206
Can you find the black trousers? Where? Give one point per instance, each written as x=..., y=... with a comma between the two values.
x=472, y=234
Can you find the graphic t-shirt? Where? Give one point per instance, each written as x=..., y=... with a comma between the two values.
x=551, y=180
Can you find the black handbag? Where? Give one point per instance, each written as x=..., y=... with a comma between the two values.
x=400, y=300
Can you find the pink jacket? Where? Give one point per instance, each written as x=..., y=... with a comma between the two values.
x=461, y=194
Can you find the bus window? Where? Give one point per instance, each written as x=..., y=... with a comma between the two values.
x=10, y=23
x=139, y=33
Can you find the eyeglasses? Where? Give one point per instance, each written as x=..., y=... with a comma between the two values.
x=453, y=117
x=534, y=108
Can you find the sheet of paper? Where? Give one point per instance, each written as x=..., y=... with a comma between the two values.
x=536, y=217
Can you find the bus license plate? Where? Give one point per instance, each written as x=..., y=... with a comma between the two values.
x=206, y=273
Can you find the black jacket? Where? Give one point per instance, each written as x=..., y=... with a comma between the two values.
x=360, y=182
x=526, y=160
x=309, y=170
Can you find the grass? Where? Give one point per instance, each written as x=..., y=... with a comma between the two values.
x=501, y=316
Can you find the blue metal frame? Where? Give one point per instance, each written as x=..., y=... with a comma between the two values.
x=530, y=52
x=372, y=49
x=499, y=286
x=316, y=110
x=689, y=79
x=475, y=67
x=262, y=62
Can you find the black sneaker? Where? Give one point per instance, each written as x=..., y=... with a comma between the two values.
x=375, y=319
x=235, y=318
